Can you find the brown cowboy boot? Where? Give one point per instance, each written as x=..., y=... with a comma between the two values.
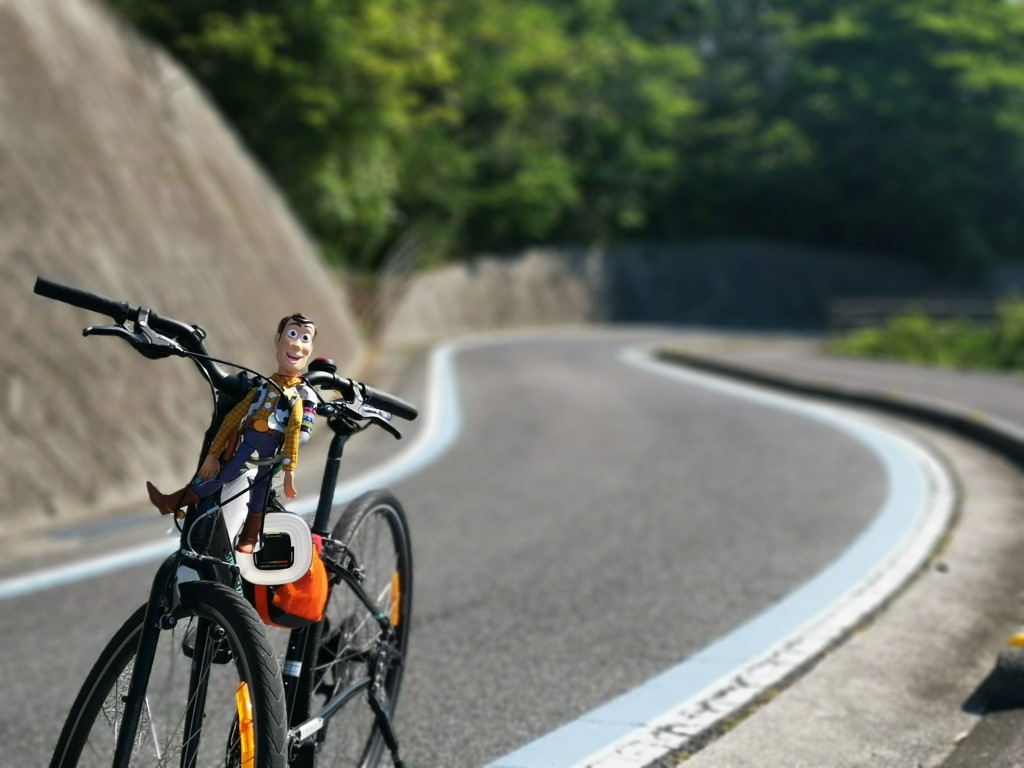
x=171, y=503
x=250, y=533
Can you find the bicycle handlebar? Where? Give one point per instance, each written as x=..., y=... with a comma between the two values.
x=350, y=388
x=190, y=337
x=76, y=297
x=390, y=403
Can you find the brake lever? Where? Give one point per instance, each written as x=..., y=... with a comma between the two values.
x=366, y=414
x=369, y=411
x=144, y=339
x=379, y=417
x=389, y=428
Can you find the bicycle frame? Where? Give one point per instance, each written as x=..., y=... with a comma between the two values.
x=157, y=337
x=300, y=659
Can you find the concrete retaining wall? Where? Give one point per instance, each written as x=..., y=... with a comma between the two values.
x=731, y=283
x=116, y=174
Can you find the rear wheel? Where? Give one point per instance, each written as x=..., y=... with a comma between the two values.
x=374, y=529
x=214, y=698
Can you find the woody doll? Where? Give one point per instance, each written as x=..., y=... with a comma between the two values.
x=268, y=419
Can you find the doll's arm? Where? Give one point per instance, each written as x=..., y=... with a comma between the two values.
x=291, y=448
x=289, y=485
x=209, y=468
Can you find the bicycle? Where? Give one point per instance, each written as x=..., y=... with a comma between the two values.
x=190, y=679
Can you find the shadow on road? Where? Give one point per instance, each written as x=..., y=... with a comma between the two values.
x=1003, y=687
x=997, y=741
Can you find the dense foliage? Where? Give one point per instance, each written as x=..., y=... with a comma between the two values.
x=916, y=337
x=893, y=126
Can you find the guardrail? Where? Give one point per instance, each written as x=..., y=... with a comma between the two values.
x=849, y=314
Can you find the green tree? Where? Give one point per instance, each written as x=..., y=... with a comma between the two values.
x=887, y=126
x=561, y=124
x=913, y=110
x=492, y=124
x=867, y=124
x=745, y=59
x=322, y=91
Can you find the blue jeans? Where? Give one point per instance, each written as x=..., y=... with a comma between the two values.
x=263, y=444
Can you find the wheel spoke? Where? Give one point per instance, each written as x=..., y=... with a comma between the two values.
x=373, y=529
x=236, y=655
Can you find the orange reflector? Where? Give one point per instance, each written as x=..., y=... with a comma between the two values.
x=396, y=597
x=247, y=740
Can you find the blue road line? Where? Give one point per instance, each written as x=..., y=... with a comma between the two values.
x=72, y=572
x=892, y=526
x=443, y=423
x=576, y=741
x=444, y=415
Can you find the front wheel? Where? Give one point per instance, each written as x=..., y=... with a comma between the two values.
x=374, y=529
x=214, y=698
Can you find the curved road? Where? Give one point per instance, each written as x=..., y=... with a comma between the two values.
x=592, y=525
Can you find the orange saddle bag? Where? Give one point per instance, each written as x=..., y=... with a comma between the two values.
x=296, y=604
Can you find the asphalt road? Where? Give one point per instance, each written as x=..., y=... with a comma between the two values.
x=592, y=525
x=933, y=682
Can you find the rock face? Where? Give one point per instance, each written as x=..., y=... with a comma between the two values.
x=117, y=175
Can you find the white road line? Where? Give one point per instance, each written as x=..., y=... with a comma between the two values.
x=666, y=712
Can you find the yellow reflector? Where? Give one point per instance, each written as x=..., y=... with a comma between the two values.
x=247, y=740
x=396, y=596
x=1017, y=641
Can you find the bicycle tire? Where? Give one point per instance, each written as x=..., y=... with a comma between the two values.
x=374, y=527
x=240, y=654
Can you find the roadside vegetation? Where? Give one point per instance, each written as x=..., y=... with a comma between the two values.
x=958, y=343
x=473, y=125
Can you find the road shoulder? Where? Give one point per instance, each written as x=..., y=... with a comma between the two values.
x=904, y=690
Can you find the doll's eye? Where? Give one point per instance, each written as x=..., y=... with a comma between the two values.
x=292, y=333
x=306, y=338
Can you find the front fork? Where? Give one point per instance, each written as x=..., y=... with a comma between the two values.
x=159, y=616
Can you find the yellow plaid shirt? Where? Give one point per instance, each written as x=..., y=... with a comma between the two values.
x=239, y=419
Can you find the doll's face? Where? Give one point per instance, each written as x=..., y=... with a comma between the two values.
x=294, y=346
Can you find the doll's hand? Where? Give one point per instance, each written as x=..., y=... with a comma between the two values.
x=210, y=468
x=289, y=485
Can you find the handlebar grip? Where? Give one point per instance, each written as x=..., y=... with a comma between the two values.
x=118, y=310
x=328, y=380
x=391, y=404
